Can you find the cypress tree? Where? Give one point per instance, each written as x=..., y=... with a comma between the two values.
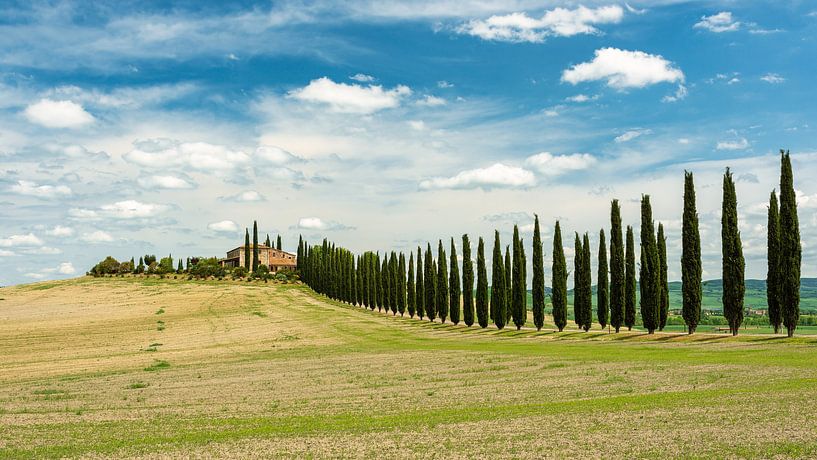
x=508, y=270
x=385, y=283
x=394, y=279
x=663, y=311
x=419, y=297
x=401, y=284
x=538, y=288
x=790, y=248
x=733, y=263
x=254, y=246
x=587, y=285
x=267, y=243
x=430, y=285
x=279, y=246
x=300, y=255
x=519, y=298
x=454, y=286
x=482, y=286
x=372, y=277
x=467, y=283
x=649, y=276
x=602, y=286
x=578, y=280
x=617, y=276
x=558, y=294
x=411, y=301
x=179, y=269
x=247, y=259
x=773, y=259
x=629, y=281
x=498, y=290
x=691, y=271
x=442, y=283
x=378, y=290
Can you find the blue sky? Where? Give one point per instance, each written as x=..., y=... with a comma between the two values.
x=128, y=128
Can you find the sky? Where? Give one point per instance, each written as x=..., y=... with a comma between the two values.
x=167, y=127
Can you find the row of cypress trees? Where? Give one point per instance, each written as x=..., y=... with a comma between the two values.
x=254, y=261
x=433, y=288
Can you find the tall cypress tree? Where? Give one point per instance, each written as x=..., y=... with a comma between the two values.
x=508, y=270
x=578, y=279
x=254, y=246
x=267, y=243
x=498, y=290
x=378, y=291
x=401, y=284
x=467, y=283
x=278, y=245
x=411, y=299
x=649, y=276
x=394, y=289
x=538, y=288
x=629, y=281
x=617, y=271
x=247, y=259
x=300, y=255
x=419, y=286
x=663, y=310
x=602, y=286
x=558, y=294
x=587, y=285
x=430, y=286
x=385, y=282
x=372, y=277
x=454, y=286
x=518, y=308
x=773, y=263
x=482, y=286
x=733, y=263
x=790, y=249
x=442, y=283
x=691, y=271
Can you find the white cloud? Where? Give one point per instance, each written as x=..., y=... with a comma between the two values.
x=164, y=182
x=362, y=77
x=739, y=144
x=42, y=250
x=417, y=125
x=245, y=196
x=60, y=230
x=66, y=268
x=224, y=226
x=316, y=223
x=36, y=276
x=58, y=114
x=444, y=84
x=562, y=22
x=632, y=134
x=495, y=176
x=21, y=240
x=431, y=101
x=201, y=156
x=721, y=22
x=683, y=141
x=345, y=98
x=679, y=94
x=97, y=237
x=29, y=188
x=6, y=253
x=275, y=156
x=772, y=78
x=551, y=165
x=75, y=151
x=624, y=69
x=582, y=98
x=127, y=209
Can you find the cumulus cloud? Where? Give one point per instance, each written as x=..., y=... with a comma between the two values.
x=551, y=165
x=431, y=101
x=27, y=240
x=60, y=231
x=624, y=69
x=165, y=182
x=66, y=268
x=75, y=151
x=362, y=77
x=127, y=209
x=561, y=22
x=275, y=156
x=350, y=98
x=316, y=223
x=632, y=134
x=721, y=22
x=29, y=188
x=224, y=226
x=739, y=144
x=58, y=114
x=97, y=236
x=245, y=196
x=772, y=78
x=495, y=176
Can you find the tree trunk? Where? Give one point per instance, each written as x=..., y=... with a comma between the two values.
x=790, y=331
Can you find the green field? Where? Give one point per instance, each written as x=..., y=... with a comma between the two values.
x=134, y=367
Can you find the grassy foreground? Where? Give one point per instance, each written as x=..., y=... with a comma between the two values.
x=154, y=368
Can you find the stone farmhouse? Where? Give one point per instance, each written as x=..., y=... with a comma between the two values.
x=274, y=259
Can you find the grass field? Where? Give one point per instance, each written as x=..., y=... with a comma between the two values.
x=162, y=368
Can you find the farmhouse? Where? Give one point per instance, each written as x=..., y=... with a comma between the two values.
x=274, y=259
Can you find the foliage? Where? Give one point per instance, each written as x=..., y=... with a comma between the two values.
x=732, y=261
x=691, y=271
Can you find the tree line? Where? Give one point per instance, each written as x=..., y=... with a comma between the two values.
x=429, y=284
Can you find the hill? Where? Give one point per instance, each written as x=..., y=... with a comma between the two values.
x=149, y=368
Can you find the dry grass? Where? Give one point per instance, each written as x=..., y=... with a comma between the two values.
x=247, y=370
